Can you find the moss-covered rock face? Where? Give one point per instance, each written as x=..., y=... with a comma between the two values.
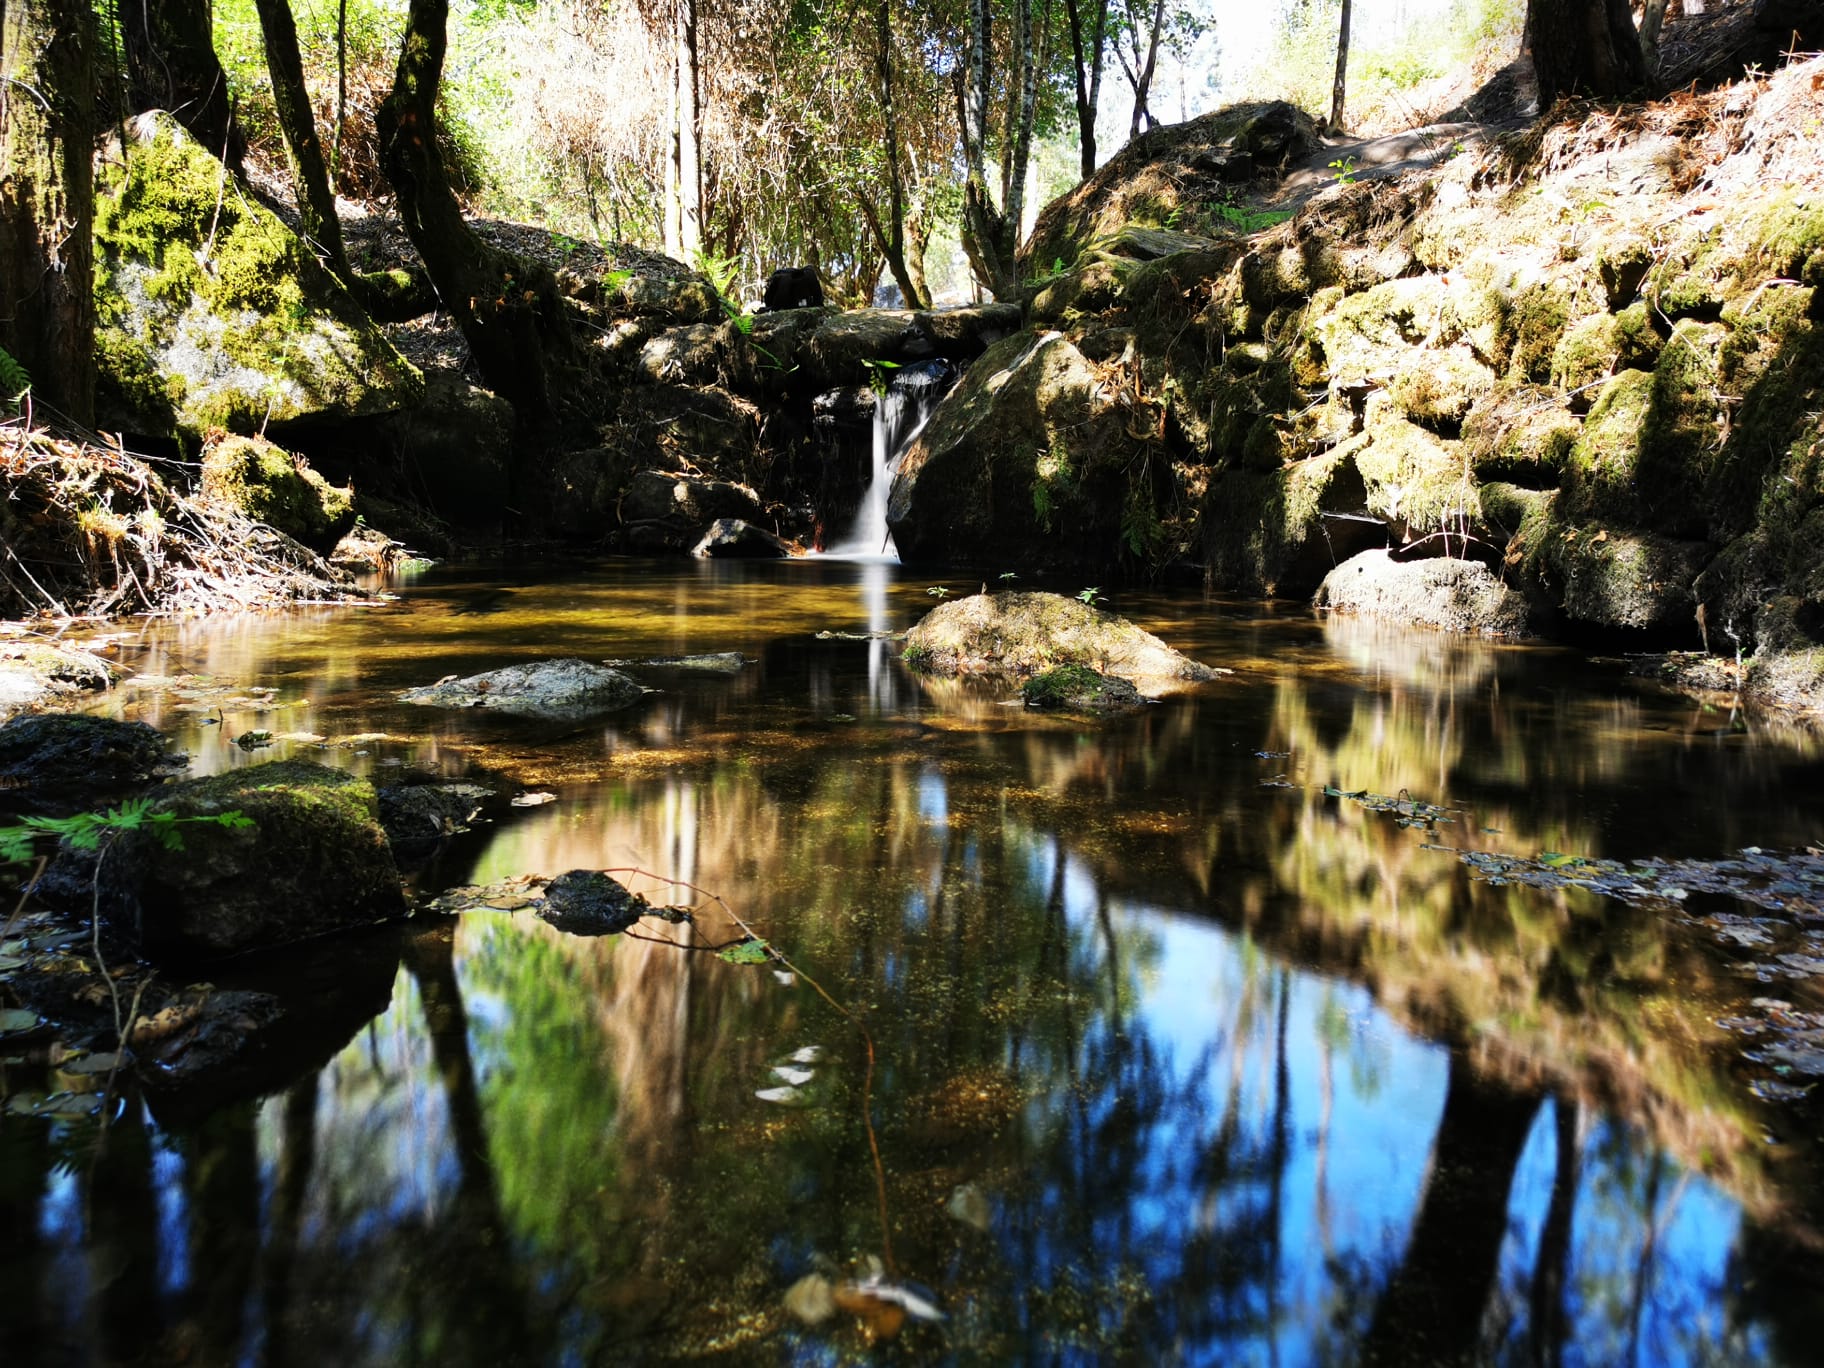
x=1023, y=634
x=1079, y=689
x=273, y=486
x=1025, y=463
x=313, y=860
x=242, y=327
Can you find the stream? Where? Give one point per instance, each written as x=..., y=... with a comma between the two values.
x=1185, y=1050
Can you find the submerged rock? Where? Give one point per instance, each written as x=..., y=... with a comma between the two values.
x=310, y=859
x=587, y=902
x=1019, y=634
x=557, y=689
x=1456, y=595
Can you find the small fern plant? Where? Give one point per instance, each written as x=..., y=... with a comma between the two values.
x=85, y=830
x=14, y=382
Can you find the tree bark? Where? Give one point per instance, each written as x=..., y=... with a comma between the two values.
x=892, y=235
x=1584, y=47
x=1339, y=90
x=684, y=176
x=310, y=178
x=1087, y=50
x=47, y=142
x=171, y=64
x=509, y=310
x=1139, y=70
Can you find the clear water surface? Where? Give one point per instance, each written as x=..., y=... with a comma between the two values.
x=1179, y=1059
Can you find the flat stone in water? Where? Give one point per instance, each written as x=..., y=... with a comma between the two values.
x=586, y=902
x=559, y=689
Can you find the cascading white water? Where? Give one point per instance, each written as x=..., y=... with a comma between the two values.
x=899, y=415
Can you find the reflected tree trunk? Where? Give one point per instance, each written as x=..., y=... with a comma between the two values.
x=1552, y=1267
x=479, y=1288
x=1432, y=1310
x=291, y=1183
x=122, y=1213
x=222, y=1178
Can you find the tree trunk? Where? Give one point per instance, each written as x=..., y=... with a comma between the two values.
x=171, y=64
x=689, y=134
x=1584, y=47
x=1342, y=71
x=47, y=142
x=335, y=142
x=1086, y=50
x=509, y=310
x=310, y=179
x=1139, y=70
x=893, y=238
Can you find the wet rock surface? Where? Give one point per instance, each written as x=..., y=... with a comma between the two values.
x=737, y=539
x=586, y=902
x=1455, y=595
x=554, y=689
x=58, y=764
x=1017, y=633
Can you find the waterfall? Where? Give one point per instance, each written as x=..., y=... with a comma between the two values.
x=899, y=415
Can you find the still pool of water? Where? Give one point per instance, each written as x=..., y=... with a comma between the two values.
x=1177, y=1057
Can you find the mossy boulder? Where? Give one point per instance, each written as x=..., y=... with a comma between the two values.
x=1417, y=481
x=1020, y=634
x=312, y=860
x=1169, y=177
x=1026, y=462
x=279, y=489
x=1280, y=531
x=1638, y=581
x=208, y=305
x=1520, y=434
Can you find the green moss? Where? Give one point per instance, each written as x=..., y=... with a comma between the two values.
x=1520, y=433
x=1060, y=685
x=1438, y=387
x=1412, y=477
x=279, y=490
x=1605, y=461
x=131, y=391
x=226, y=299
x=1586, y=353
x=1790, y=240
x=1536, y=321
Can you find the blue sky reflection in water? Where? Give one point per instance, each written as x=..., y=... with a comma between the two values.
x=1229, y=1072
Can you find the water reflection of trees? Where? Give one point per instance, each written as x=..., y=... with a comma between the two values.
x=553, y=1144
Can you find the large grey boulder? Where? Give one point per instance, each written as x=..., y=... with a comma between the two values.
x=555, y=689
x=212, y=313
x=1455, y=595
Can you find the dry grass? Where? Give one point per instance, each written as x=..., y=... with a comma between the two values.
x=88, y=530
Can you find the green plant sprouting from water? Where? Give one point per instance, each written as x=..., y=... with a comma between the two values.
x=86, y=830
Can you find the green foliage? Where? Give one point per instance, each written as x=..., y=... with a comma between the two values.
x=720, y=271
x=938, y=591
x=1242, y=220
x=1089, y=595
x=880, y=376
x=750, y=951
x=85, y=830
x=1062, y=685
x=1344, y=169
x=14, y=382
x=917, y=656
